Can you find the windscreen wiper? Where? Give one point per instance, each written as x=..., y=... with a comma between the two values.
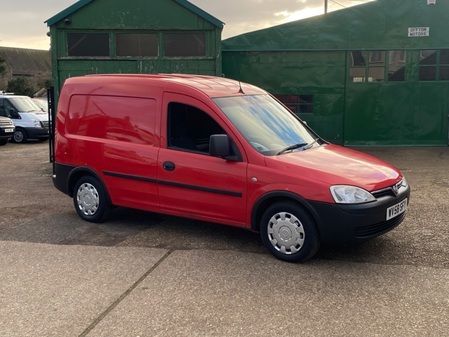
x=291, y=148
x=297, y=146
x=311, y=144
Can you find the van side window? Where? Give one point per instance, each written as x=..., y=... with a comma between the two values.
x=190, y=128
x=117, y=118
x=6, y=108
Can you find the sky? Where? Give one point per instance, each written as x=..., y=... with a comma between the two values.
x=22, y=23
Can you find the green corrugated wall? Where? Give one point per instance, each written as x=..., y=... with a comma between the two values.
x=313, y=56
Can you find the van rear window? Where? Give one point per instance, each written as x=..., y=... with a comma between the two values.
x=126, y=119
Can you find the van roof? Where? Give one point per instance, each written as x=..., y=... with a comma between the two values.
x=11, y=95
x=211, y=86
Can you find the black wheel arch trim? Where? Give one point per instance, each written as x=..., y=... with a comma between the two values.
x=83, y=169
x=68, y=174
x=275, y=196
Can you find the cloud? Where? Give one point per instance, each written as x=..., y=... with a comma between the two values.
x=22, y=24
x=241, y=16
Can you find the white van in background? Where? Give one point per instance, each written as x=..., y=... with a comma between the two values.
x=29, y=120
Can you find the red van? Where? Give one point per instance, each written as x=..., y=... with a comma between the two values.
x=214, y=149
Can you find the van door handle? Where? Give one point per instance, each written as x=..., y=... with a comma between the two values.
x=169, y=166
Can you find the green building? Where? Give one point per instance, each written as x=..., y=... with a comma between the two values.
x=133, y=36
x=373, y=74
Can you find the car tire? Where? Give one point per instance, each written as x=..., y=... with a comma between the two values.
x=91, y=200
x=289, y=232
x=19, y=136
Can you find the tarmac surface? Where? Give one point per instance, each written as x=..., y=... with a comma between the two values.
x=142, y=274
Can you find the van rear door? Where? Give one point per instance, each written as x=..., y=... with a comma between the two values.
x=191, y=182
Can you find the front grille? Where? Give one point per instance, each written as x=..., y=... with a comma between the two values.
x=6, y=122
x=45, y=124
x=392, y=191
x=383, y=193
x=378, y=228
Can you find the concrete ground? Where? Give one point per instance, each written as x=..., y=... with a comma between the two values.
x=142, y=274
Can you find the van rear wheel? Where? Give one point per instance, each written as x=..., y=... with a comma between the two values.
x=91, y=200
x=289, y=232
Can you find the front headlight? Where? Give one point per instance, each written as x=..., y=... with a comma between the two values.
x=37, y=124
x=344, y=194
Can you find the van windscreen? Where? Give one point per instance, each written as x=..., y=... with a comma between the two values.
x=264, y=123
x=23, y=104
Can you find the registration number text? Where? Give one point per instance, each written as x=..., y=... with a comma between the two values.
x=397, y=209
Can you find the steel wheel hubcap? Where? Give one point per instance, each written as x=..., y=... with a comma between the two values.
x=88, y=199
x=286, y=233
x=18, y=136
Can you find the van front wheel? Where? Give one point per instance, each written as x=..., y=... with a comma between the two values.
x=90, y=200
x=289, y=232
x=20, y=136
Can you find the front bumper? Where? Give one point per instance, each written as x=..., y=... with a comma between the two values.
x=37, y=133
x=6, y=135
x=347, y=224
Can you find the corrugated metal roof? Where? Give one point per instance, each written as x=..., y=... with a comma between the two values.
x=80, y=4
x=27, y=62
x=377, y=24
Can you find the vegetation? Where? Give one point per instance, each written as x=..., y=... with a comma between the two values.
x=21, y=86
x=2, y=65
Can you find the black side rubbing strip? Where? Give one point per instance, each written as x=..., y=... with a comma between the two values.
x=129, y=176
x=201, y=188
x=171, y=183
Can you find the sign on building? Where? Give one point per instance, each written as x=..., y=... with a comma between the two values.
x=418, y=31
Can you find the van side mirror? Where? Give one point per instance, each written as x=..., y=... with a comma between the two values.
x=219, y=146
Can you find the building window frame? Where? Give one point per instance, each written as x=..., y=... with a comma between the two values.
x=302, y=103
x=191, y=44
x=185, y=44
x=376, y=66
x=433, y=65
x=90, y=44
x=143, y=44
